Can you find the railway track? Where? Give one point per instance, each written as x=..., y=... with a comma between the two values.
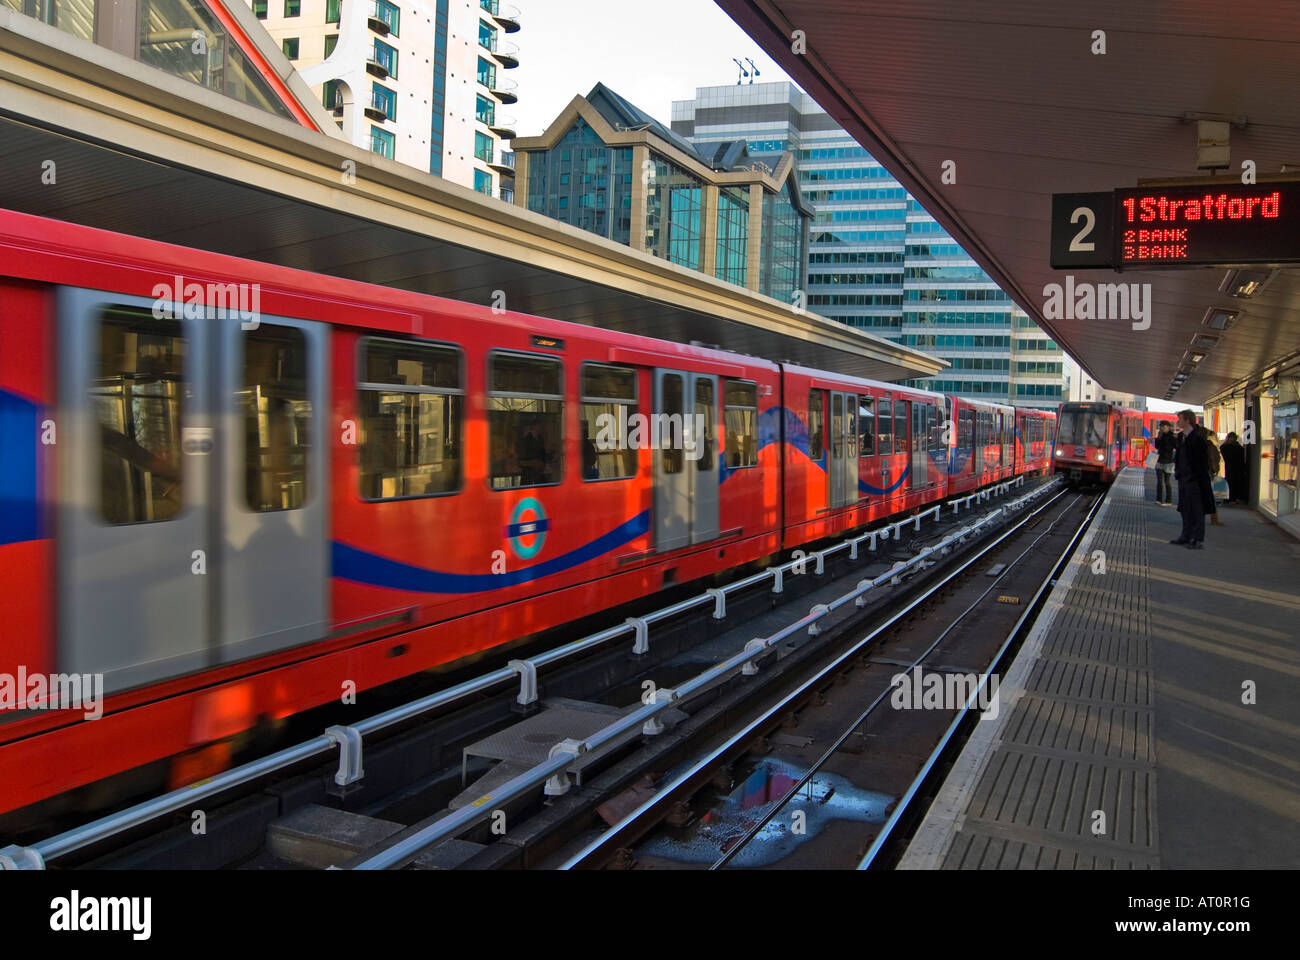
x=412, y=770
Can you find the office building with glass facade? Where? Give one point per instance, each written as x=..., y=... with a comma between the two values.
x=382, y=68
x=722, y=207
x=875, y=258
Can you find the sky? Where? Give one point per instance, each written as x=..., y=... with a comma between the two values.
x=651, y=52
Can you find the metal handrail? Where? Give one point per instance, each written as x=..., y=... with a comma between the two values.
x=35, y=856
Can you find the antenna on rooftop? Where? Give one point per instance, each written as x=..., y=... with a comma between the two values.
x=743, y=72
x=753, y=69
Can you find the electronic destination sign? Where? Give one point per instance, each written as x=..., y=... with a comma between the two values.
x=1206, y=224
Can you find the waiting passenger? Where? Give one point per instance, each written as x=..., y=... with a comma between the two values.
x=1166, y=447
x=1234, y=467
x=1192, y=471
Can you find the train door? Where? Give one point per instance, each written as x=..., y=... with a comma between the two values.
x=686, y=489
x=169, y=557
x=843, y=473
x=920, y=444
x=704, y=469
x=272, y=505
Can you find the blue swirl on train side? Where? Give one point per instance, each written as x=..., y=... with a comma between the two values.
x=362, y=566
x=19, y=485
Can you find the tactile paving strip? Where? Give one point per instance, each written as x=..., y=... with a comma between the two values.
x=1070, y=784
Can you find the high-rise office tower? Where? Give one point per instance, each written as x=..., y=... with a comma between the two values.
x=423, y=82
x=876, y=259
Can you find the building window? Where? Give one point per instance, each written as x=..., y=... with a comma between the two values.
x=490, y=6
x=387, y=12
x=485, y=110
x=382, y=142
x=332, y=95
x=259, y=9
x=608, y=402
x=673, y=214
x=584, y=182
x=487, y=36
x=741, y=421
x=292, y=8
x=331, y=41
x=487, y=73
x=733, y=236
x=525, y=421
x=290, y=47
x=381, y=98
x=483, y=146
x=277, y=418
x=386, y=57
x=483, y=182
x=333, y=9
x=412, y=408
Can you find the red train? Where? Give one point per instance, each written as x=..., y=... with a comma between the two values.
x=1094, y=441
x=232, y=521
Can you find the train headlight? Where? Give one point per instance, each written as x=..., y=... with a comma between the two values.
x=1101, y=457
x=1060, y=452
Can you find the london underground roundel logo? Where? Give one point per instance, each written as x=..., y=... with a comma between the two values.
x=527, y=528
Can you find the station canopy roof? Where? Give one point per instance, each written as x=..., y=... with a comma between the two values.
x=1012, y=92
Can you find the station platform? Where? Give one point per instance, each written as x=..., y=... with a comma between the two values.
x=1152, y=717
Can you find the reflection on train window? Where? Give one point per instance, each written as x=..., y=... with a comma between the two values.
x=885, y=425
x=673, y=405
x=936, y=428
x=816, y=419
x=137, y=401
x=525, y=421
x=837, y=426
x=900, y=427
x=608, y=403
x=706, y=438
x=741, y=423
x=277, y=418
x=965, y=429
x=412, y=413
x=866, y=426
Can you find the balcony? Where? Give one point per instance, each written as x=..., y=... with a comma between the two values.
x=376, y=108
x=376, y=67
x=377, y=20
x=507, y=53
x=505, y=165
x=505, y=90
x=507, y=15
x=503, y=126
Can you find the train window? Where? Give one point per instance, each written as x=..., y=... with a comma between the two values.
x=966, y=429
x=608, y=403
x=816, y=419
x=741, y=423
x=851, y=425
x=837, y=426
x=936, y=429
x=525, y=420
x=674, y=405
x=137, y=401
x=866, y=426
x=704, y=410
x=277, y=418
x=412, y=414
x=885, y=426
x=900, y=426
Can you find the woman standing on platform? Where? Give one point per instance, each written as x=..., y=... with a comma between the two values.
x=1234, y=467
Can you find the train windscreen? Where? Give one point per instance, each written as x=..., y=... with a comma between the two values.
x=1082, y=428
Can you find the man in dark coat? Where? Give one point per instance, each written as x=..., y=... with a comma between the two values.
x=1234, y=469
x=1192, y=471
x=1166, y=444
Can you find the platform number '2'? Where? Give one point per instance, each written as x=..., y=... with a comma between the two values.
x=1078, y=244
